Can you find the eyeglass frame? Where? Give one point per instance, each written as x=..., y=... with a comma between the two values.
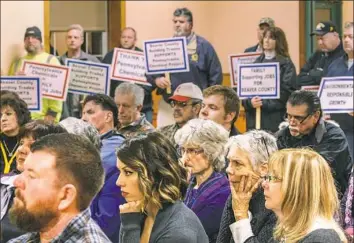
x=270, y=178
x=194, y=151
x=296, y=117
x=173, y=103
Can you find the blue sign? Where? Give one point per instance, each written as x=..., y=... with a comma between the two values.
x=88, y=77
x=262, y=80
x=27, y=88
x=166, y=55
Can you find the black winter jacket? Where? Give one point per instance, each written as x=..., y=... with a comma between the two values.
x=317, y=67
x=329, y=141
x=273, y=111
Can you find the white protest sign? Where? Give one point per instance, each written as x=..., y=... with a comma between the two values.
x=336, y=94
x=244, y=58
x=258, y=79
x=27, y=88
x=312, y=88
x=88, y=77
x=166, y=55
x=128, y=65
x=54, y=78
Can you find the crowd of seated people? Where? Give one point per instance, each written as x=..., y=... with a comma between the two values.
x=95, y=169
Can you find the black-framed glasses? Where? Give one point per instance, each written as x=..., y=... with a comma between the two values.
x=193, y=151
x=174, y=103
x=271, y=178
x=262, y=139
x=298, y=119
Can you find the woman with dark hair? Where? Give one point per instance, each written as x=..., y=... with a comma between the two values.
x=275, y=50
x=27, y=135
x=14, y=114
x=153, y=183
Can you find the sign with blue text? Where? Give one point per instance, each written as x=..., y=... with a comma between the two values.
x=258, y=79
x=27, y=88
x=166, y=55
x=336, y=94
x=88, y=77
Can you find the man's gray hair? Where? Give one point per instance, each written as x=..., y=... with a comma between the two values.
x=76, y=27
x=259, y=146
x=79, y=127
x=126, y=88
x=184, y=12
x=207, y=135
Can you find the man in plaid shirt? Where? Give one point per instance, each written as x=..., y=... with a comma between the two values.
x=62, y=174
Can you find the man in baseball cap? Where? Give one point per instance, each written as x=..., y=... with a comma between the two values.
x=264, y=24
x=186, y=104
x=329, y=48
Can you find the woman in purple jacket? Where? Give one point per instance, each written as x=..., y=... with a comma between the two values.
x=201, y=145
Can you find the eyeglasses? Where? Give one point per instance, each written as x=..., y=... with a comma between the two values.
x=174, y=103
x=298, y=119
x=261, y=138
x=193, y=151
x=270, y=178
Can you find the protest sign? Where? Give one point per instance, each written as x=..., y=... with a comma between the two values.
x=244, y=58
x=336, y=94
x=128, y=65
x=166, y=55
x=260, y=80
x=312, y=88
x=27, y=88
x=54, y=78
x=88, y=77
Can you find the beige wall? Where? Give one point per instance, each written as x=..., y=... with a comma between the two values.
x=16, y=16
x=92, y=15
x=347, y=11
x=229, y=25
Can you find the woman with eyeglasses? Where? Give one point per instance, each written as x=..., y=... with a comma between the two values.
x=201, y=144
x=245, y=218
x=14, y=114
x=300, y=190
x=275, y=50
x=153, y=182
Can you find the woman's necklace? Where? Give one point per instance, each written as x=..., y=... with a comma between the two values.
x=7, y=149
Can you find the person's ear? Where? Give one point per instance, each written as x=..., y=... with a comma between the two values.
x=67, y=197
x=316, y=116
x=139, y=107
x=230, y=116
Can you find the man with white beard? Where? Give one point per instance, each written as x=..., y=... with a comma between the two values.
x=308, y=129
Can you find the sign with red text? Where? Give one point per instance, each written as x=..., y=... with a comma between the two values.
x=244, y=58
x=166, y=55
x=54, y=78
x=258, y=79
x=129, y=66
x=27, y=88
x=336, y=94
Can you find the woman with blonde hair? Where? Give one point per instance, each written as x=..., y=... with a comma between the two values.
x=300, y=189
x=153, y=182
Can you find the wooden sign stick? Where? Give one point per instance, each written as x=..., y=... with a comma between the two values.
x=258, y=118
x=168, y=89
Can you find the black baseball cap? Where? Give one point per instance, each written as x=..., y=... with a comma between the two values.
x=323, y=28
x=35, y=32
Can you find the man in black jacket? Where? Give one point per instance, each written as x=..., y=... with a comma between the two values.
x=128, y=41
x=329, y=49
x=263, y=25
x=307, y=129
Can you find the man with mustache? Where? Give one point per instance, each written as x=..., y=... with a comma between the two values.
x=51, y=109
x=308, y=129
x=62, y=174
x=204, y=65
x=186, y=103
